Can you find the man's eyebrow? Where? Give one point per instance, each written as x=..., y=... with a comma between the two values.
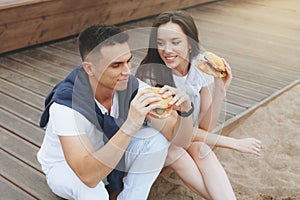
x=129, y=58
x=120, y=62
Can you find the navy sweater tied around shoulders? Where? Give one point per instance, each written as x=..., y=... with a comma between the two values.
x=75, y=92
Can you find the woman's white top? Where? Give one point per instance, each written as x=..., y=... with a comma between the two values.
x=192, y=84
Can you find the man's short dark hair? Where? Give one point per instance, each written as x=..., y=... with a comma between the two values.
x=102, y=35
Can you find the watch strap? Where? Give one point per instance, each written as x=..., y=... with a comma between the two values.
x=186, y=114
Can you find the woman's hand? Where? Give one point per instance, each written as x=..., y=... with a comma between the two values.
x=180, y=101
x=249, y=145
x=223, y=83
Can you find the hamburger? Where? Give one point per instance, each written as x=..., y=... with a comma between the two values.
x=212, y=64
x=165, y=109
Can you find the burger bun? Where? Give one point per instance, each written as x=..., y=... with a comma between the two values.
x=165, y=109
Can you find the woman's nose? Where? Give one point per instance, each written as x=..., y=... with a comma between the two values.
x=168, y=47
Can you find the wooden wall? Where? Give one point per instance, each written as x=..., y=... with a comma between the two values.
x=25, y=23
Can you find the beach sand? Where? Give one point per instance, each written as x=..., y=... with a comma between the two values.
x=273, y=176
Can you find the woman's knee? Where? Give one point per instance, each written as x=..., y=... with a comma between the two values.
x=174, y=155
x=199, y=150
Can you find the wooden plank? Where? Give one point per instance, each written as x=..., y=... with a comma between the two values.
x=40, y=65
x=51, y=59
x=22, y=150
x=70, y=45
x=224, y=116
x=37, y=8
x=239, y=100
x=30, y=180
x=23, y=95
x=135, y=8
x=21, y=128
x=73, y=57
x=232, y=109
x=248, y=84
x=259, y=79
x=253, y=95
x=264, y=11
x=8, y=4
x=259, y=59
x=10, y=191
x=29, y=71
x=252, y=47
x=280, y=5
x=24, y=82
x=23, y=111
x=254, y=40
x=259, y=26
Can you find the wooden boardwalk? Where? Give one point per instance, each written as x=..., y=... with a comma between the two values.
x=259, y=38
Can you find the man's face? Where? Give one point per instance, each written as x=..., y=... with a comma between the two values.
x=114, y=68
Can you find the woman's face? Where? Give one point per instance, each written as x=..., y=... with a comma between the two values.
x=173, y=47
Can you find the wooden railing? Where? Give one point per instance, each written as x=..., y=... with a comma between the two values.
x=25, y=23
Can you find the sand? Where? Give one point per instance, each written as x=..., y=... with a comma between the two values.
x=273, y=176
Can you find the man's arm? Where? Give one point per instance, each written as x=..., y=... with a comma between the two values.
x=92, y=166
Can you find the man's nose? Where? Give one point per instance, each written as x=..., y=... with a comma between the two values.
x=127, y=68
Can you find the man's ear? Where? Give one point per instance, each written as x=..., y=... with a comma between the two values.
x=87, y=66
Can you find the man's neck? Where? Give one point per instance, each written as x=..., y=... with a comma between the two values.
x=103, y=95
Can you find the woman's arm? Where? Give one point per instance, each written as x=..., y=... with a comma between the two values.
x=210, y=107
x=177, y=129
x=245, y=145
x=212, y=97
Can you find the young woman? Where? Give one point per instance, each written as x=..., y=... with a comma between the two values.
x=173, y=49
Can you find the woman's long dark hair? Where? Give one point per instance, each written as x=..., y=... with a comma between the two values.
x=152, y=69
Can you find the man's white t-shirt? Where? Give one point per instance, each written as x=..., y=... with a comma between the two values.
x=64, y=121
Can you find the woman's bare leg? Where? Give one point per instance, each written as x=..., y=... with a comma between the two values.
x=213, y=173
x=185, y=167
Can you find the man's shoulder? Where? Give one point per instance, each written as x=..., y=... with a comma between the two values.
x=60, y=110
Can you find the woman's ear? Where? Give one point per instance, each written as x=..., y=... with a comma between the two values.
x=190, y=48
x=87, y=66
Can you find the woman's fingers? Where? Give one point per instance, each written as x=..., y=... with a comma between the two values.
x=257, y=147
x=251, y=145
x=179, y=96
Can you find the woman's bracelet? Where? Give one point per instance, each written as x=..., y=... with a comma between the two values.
x=186, y=114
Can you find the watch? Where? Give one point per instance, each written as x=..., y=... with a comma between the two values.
x=186, y=114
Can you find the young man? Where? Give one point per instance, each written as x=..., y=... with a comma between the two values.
x=96, y=129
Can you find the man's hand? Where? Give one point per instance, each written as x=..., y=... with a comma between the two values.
x=139, y=108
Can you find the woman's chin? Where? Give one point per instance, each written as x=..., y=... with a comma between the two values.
x=171, y=65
